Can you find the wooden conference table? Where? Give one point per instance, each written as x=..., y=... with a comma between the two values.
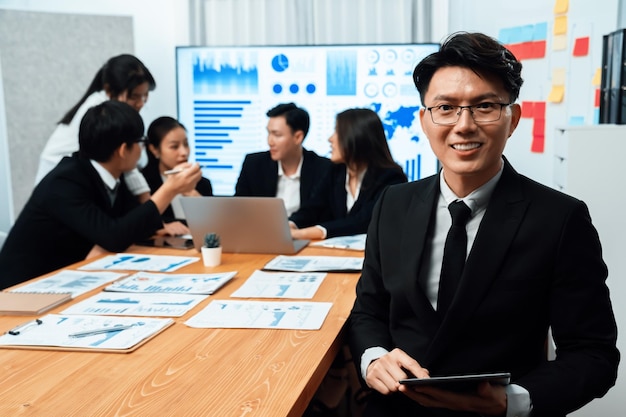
x=184, y=371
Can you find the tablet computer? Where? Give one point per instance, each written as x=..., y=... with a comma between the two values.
x=459, y=382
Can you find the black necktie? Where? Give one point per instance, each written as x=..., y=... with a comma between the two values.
x=453, y=255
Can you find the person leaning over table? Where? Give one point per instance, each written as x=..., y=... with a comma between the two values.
x=287, y=170
x=122, y=78
x=83, y=207
x=168, y=147
x=534, y=262
x=343, y=200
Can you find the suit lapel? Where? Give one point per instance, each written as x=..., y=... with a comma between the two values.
x=415, y=240
x=497, y=230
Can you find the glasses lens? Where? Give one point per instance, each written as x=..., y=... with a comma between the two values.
x=487, y=112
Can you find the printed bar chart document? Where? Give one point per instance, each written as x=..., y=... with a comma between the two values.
x=315, y=264
x=280, y=285
x=140, y=262
x=85, y=333
x=146, y=282
x=136, y=304
x=355, y=242
x=305, y=315
x=69, y=281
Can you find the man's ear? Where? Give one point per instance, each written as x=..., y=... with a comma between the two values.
x=299, y=136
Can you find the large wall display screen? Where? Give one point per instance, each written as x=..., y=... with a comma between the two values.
x=225, y=92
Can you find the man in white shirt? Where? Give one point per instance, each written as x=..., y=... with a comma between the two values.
x=286, y=170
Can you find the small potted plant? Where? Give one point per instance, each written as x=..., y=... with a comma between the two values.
x=211, y=250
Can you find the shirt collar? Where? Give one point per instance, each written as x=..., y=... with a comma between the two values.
x=109, y=180
x=475, y=200
x=296, y=174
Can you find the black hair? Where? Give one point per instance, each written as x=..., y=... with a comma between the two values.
x=295, y=117
x=158, y=129
x=105, y=127
x=361, y=137
x=121, y=73
x=476, y=51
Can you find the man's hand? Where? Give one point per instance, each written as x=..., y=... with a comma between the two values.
x=384, y=373
x=487, y=399
x=173, y=229
x=179, y=183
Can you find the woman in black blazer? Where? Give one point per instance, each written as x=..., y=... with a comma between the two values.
x=168, y=145
x=343, y=200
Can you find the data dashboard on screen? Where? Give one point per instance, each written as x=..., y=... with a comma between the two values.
x=224, y=94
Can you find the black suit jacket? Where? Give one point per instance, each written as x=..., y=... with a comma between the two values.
x=153, y=177
x=259, y=175
x=536, y=262
x=67, y=214
x=327, y=207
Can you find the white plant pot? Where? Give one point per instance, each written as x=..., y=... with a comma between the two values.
x=211, y=256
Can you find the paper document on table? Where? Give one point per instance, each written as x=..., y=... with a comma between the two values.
x=303, y=315
x=315, y=264
x=280, y=285
x=68, y=281
x=76, y=332
x=355, y=242
x=149, y=282
x=136, y=304
x=141, y=262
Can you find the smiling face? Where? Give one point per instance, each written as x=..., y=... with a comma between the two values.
x=173, y=149
x=470, y=152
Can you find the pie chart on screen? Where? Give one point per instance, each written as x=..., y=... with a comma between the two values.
x=280, y=63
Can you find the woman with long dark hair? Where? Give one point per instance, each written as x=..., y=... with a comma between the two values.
x=122, y=78
x=343, y=201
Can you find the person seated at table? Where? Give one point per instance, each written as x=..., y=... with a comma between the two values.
x=343, y=200
x=169, y=147
x=83, y=207
x=287, y=170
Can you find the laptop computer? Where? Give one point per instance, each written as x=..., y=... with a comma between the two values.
x=245, y=224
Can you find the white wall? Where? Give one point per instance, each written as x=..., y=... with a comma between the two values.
x=160, y=25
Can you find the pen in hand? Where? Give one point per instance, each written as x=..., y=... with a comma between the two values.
x=173, y=171
x=100, y=331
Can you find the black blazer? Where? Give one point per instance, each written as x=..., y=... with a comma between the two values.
x=67, y=214
x=536, y=262
x=153, y=177
x=259, y=175
x=327, y=207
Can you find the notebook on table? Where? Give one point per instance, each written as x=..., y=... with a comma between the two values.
x=244, y=224
x=20, y=303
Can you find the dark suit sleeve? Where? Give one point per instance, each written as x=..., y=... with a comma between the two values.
x=204, y=187
x=357, y=220
x=369, y=320
x=244, y=186
x=72, y=205
x=582, y=321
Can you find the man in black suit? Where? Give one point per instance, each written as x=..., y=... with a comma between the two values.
x=83, y=207
x=287, y=170
x=534, y=261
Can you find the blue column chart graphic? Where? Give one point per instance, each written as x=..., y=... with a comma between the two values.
x=224, y=93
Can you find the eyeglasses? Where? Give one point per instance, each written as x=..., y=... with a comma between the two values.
x=447, y=114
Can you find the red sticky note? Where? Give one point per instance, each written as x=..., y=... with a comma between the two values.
x=596, y=102
x=540, y=109
x=581, y=46
x=528, y=109
x=539, y=49
x=539, y=127
x=538, y=143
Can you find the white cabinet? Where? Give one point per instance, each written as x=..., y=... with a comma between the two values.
x=590, y=164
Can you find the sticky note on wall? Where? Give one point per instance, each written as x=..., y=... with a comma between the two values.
x=581, y=46
x=560, y=25
x=561, y=6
